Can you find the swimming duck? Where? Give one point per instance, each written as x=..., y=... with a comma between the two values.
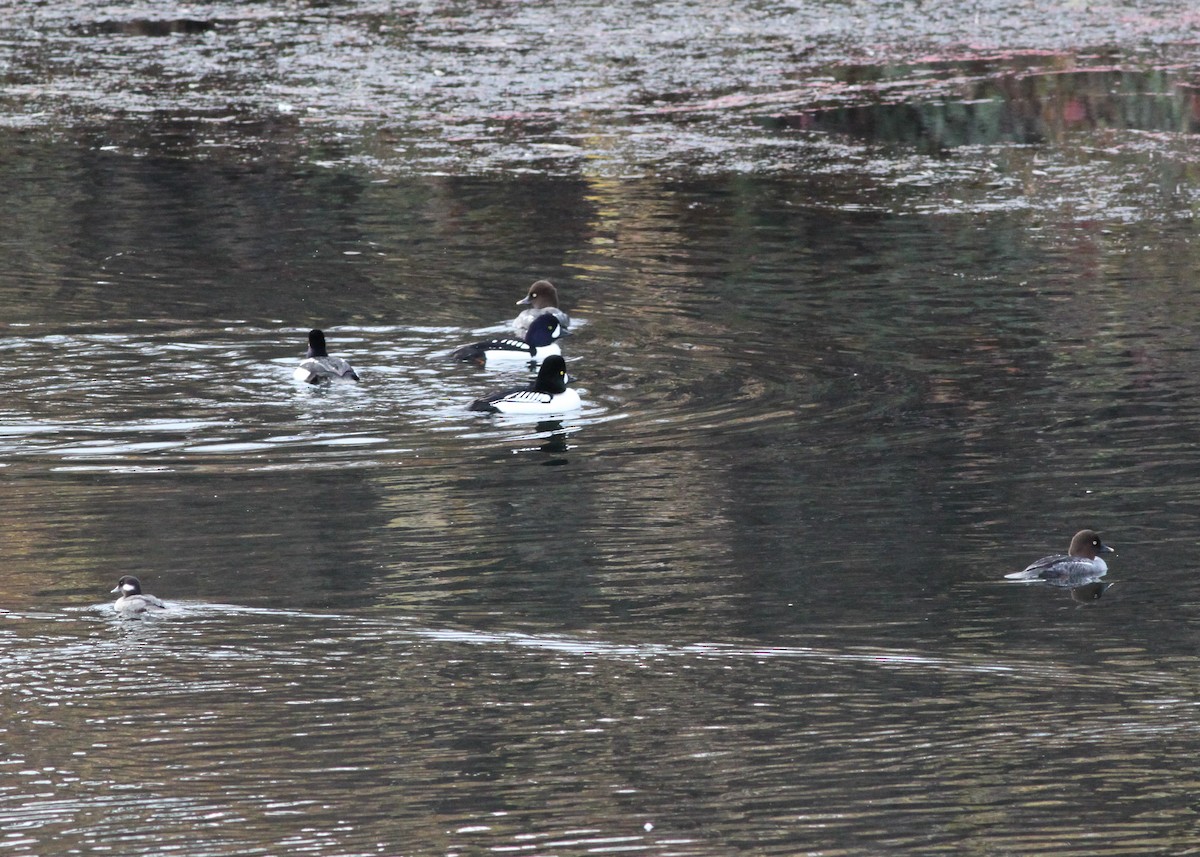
x=539, y=343
x=1082, y=562
x=542, y=299
x=132, y=601
x=318, y=366
x=548, y=394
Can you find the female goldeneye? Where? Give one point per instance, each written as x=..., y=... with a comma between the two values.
x=539, y=343
x=132, y=601
x=1081, y=564
x=542, y=299
x=318, y=366
x=548, y=394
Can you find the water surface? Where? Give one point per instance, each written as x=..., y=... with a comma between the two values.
x=853, y=343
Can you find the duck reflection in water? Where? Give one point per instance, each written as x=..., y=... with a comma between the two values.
x=1083, y=592
x=1089, y=592
x=556, y=442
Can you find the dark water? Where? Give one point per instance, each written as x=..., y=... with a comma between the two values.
x=749, y=598
x=852, y=346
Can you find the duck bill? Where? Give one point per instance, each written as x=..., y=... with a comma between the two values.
x=523, y=301
x=1107, y=549
x=114, y=590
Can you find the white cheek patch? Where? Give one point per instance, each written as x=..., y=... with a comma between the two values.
x=128, y=588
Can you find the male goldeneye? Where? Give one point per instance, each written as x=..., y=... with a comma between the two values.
x=318, y=366
x=1081, y=563
x=133, y=602
x=539, y=343
x=548, y=394
x=542, y=299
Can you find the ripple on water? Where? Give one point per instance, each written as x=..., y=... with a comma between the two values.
x=125, y=400
x=213, y=722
